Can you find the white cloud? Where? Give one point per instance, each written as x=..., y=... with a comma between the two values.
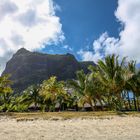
x=29, y=24
x=89, y=56
x=104, y=45
x=67, y=47
x=128, y=43
x=128, y=13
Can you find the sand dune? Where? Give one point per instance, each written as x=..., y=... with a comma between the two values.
x=109, y=128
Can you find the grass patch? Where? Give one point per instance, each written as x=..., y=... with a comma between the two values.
x=66, y=115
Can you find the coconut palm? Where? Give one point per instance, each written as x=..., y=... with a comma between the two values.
x=133, y=84
x=113, y=75
x=18, y=103
x=52, y=92
x=84, y=89
x=97, y=88
x=5, y=91
x=33, y=94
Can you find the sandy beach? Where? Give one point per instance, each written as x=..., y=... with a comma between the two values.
x=107, y=128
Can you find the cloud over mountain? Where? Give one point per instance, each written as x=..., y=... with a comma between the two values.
x=30, y=24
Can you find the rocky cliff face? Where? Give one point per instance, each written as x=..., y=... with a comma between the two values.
x=27, y=68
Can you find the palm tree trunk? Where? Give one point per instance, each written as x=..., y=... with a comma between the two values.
x=35, y=101
x=102, y=108
x=137, y=100
x=109, y=103
x=35, y=105
x=5, y=101
x=95, y=106
x=92, y=107
x=119, y=96
x=135, y=103
x=76, y=106
x=124, y=100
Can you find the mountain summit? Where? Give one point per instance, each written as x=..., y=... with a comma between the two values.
x=27, y=68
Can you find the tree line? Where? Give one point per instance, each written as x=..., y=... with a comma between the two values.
x=107, y=86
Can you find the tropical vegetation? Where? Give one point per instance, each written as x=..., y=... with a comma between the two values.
x=113, y=84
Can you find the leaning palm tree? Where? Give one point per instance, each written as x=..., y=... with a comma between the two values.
x=113, y=74
x=83, y=89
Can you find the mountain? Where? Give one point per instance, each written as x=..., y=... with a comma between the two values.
x=27, y=68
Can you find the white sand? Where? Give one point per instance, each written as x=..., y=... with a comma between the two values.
x=116, y=128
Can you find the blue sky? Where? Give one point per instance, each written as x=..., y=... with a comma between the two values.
x=83, y=21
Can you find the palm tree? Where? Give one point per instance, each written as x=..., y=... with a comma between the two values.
x=133, y=84
x=97, y=88
x=19, y=103
x=84, y=89
x=52, y=92
x=5, y=91
x=113, y=74
x=33, y=94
